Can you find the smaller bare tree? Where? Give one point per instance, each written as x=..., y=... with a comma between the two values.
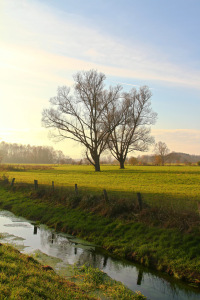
x=161, y=150
x=133, y=132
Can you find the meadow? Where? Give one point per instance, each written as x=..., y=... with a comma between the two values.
x=166, y=186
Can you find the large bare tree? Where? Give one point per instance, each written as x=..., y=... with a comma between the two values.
x=82, y=115
x=133, y=132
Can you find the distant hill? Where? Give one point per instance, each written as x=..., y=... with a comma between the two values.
x=183, y=157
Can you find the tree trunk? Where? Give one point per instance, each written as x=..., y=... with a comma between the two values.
x=97, y=164
x=121, y=164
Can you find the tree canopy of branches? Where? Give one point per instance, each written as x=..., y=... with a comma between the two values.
x=161, y=150
x=81, y=115
x=133, y=132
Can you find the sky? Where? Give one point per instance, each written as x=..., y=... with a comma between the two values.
x=43, y=43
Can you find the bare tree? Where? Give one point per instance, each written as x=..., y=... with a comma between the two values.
x=161, y=150
x=81, y=115
x=133, y=132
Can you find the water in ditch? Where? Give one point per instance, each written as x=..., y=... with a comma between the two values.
x=61, y=250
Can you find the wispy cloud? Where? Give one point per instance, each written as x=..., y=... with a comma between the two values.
x=73, y=46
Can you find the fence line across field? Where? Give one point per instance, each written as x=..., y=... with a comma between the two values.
x=105, y=194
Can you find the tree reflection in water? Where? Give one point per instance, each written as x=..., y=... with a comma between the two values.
x=139, y=279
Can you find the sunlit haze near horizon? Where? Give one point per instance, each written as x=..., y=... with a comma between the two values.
x=133, y=42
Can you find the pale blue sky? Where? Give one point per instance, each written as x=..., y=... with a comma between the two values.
x=152, y=42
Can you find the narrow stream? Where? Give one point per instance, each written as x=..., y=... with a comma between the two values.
x=67, y=249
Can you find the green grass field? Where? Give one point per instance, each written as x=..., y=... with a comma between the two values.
x=171, y=186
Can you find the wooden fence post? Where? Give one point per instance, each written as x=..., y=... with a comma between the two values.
x=12, y=182
x=139, y=200
x=105, y=195
x=76, y=189
x=36, y=184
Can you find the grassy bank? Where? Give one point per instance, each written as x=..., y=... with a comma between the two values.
x=22, y=277
x=166, y=249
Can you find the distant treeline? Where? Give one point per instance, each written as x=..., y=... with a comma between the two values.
x=17, y=153
x=173, y=158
